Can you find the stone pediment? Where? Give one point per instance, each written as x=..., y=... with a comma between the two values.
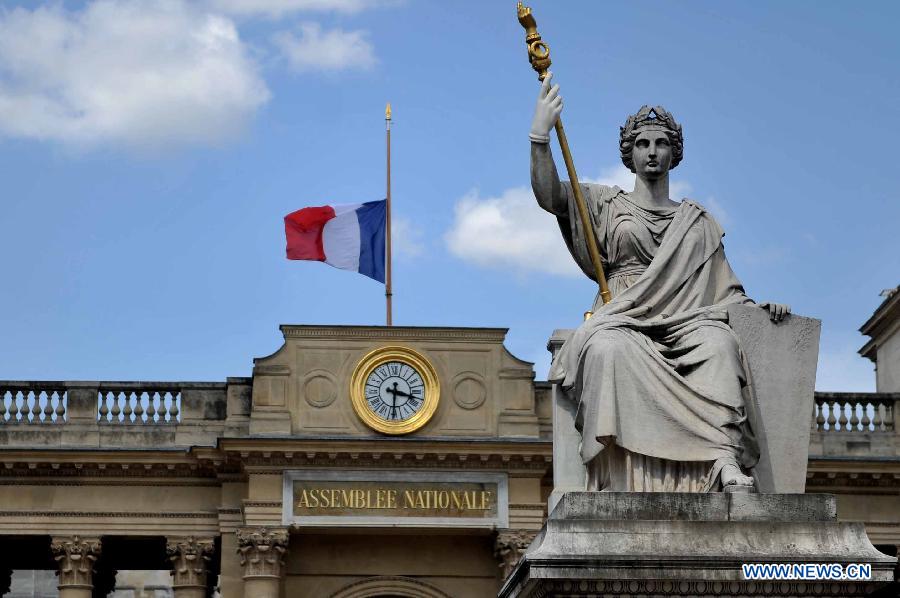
x=304, y=388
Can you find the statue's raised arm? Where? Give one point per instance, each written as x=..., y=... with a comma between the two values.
x=544, y=177
x=539, y=57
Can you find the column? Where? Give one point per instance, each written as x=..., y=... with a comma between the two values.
x=509, y=546
x=262, y=557
x=76, y=556
x=189, y=557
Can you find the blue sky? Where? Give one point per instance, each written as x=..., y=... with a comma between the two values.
x=149, y=150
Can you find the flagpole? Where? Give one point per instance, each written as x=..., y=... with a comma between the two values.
x=388, y=293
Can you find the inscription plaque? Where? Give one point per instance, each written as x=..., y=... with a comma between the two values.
x=395, y=498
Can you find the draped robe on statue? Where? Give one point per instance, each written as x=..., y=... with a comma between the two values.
x=657, y=373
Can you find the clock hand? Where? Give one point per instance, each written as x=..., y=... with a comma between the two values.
x=393, y=391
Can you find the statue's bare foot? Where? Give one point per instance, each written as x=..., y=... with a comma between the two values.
x=732, y=476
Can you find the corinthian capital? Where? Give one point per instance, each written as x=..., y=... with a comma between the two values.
x=262, y=550
x=76, y=556
x=189, y=557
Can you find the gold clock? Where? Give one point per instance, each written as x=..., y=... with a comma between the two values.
x=394, y=390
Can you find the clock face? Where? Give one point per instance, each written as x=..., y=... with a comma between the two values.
x=395, y=391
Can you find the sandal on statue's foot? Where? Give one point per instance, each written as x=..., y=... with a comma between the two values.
x=734, y=480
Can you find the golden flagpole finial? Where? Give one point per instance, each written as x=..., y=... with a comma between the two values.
x=387, y=112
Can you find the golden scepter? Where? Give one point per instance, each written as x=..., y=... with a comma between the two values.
x=539, y=57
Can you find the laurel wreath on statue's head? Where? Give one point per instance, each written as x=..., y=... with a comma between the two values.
x=657, y=117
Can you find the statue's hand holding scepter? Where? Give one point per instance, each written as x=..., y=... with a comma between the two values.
x=547, y=113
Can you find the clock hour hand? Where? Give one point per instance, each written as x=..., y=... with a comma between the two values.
x=397, y=392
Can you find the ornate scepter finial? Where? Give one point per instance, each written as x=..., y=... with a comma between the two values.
x=538, y=51
x=539, y=57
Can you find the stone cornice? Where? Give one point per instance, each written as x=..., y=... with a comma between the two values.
x=271, y=456
x=444, y=444
x=113, y=514
x=385, y=333
x=853, y=475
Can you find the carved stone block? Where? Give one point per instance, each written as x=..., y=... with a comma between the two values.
x=76, y=557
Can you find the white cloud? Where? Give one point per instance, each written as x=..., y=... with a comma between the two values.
x=406, y=239
x=137, y=73
x=278, y=8
x=512, y=231
x=509, y=231
x=618, y=176
x=317, y=50
x=679, y=189
x=718, y=210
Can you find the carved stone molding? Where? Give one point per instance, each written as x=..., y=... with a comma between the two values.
x=700, y=588
x=189, y=558
x=76, y=557
x=509, y=546
x=262, y=551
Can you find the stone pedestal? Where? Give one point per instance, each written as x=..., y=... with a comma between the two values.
x=76, y=557
x=189, y=557
x=262, y=556
x=647, y=544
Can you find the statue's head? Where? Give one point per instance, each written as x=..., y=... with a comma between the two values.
x=649, y=131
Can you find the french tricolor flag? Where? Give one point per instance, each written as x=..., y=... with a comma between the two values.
x=349, y=236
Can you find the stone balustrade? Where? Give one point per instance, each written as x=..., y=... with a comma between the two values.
x=40, y=413
x=139, y=403
x=855, y=425
x=856, y=412
x=32, y=402
x=122, y=414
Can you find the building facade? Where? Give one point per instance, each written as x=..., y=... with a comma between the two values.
x=282, y=484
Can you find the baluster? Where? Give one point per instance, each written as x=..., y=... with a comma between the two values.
x=163, y=410
x=127, y=411
x=103, y=410
x=877, y=421
x=14, y=406
x=116, y=406
x=889, y=417
x=60, y=407
x=48, y=406
x=820, y=418
x=832, y=418
x=866, y=420
x=138, y=408
x=854, y=418
x=173, y=410
x=34, y=414
x=842, y=420
x=151, y=410
x=3, y=409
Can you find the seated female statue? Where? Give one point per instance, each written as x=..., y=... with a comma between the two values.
x=657, y=373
